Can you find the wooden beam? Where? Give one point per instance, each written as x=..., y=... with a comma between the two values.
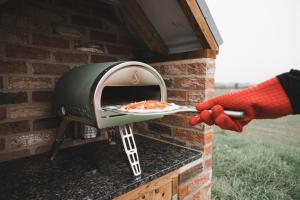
x=206, y=53
x=199, y=24
x=144, y=27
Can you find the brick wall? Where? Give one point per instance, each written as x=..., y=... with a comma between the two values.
x=195, y=182
x=40, y=40
x=188, y=82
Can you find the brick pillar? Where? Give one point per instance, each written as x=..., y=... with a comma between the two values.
x=188, y=82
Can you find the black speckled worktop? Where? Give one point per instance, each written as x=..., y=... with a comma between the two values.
x=90, y=171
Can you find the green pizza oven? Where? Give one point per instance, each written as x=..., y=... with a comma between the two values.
x=82, y=91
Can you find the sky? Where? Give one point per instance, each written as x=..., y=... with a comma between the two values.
x=261, y=38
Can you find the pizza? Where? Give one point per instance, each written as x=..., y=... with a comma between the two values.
x=148, y=106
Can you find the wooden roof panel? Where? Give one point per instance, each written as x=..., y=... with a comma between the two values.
x=172, y=24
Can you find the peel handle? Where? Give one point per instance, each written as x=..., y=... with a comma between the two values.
x=231, y=113
x=235, y=114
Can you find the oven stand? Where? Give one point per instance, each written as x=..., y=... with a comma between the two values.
x=130, y=148
x=60, y=136
x=126, y=135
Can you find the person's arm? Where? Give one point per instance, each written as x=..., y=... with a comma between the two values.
x=290, y=82
x=274, y=98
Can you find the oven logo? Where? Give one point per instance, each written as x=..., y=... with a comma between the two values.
x=135, y=78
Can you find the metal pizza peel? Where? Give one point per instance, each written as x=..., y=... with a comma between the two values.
x=177, y=109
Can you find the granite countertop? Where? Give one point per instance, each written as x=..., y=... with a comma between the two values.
x=91, y=171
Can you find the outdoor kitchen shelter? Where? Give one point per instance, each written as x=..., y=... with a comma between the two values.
x=174, y=43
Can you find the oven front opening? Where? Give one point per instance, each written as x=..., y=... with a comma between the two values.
x=116, y=95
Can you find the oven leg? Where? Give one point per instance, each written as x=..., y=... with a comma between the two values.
x=59, y=137
x=130, y=148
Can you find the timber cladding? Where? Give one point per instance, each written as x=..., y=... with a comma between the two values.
x=39, y=41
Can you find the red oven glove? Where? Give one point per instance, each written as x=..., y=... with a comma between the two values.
x=265, y=100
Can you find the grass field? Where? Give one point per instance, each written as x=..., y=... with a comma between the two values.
x=262, y=163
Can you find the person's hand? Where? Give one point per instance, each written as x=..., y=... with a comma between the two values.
x=265, y=100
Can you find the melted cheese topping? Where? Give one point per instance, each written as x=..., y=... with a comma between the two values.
x=148, y=106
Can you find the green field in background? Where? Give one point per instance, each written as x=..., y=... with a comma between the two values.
x=262, y=163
